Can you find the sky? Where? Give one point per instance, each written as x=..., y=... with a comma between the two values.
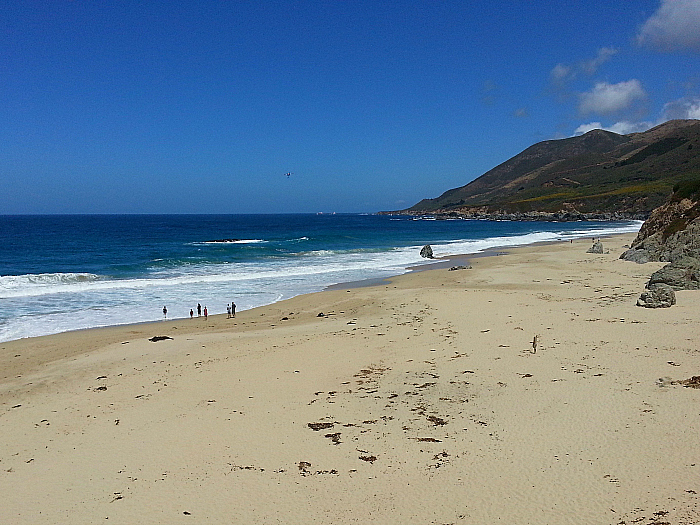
x=204, y=106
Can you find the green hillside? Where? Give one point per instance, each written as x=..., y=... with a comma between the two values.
x=596, y=173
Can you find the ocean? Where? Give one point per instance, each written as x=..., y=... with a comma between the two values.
x=69, y=272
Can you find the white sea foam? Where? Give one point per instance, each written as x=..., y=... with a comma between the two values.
x=10, y=285
x=231, y=241
x=480, y=245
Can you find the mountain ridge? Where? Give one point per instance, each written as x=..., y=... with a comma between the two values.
x=598, y=175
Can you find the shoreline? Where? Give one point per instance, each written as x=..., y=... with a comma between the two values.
x=108, y=333
x=412, y=401
x=73, y=311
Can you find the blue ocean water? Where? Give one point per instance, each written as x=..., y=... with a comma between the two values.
x=68, y=272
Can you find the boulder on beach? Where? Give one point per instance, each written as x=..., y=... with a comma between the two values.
x=427, y=252
x=596, y=248
x=657, y=296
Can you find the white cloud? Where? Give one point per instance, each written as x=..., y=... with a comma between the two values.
x=621, y=128
x=624, y=127
x=559, y=73
x=675, y=26
x=562, y=73
x=585, y=128
x=683, y=108
x=604, y=54
x=606, y=99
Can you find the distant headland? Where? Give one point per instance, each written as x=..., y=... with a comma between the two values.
x=596, y=176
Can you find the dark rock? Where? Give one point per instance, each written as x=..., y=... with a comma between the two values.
x=461, y=267
x=671, y=232
x=657, y=296
x=681, y=274
x=637, y=255
x=596, y=248
x=427, y=252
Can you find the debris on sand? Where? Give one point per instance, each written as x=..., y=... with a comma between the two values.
x=693, y=382
x=320, y=426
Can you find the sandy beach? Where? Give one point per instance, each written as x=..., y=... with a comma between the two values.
x=422, y=400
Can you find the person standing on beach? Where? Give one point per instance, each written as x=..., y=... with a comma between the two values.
x=233, y=309
x=165, y=313
x=199, y=310
x=191, y=313
x=228, y=311
x=205, y=312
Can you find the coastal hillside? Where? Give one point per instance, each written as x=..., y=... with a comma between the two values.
x=596, y=175
x=672, y=231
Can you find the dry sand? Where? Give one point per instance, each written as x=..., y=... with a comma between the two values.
x=417, y=401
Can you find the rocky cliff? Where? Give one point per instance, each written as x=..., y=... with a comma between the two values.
x=672, y=230
x=671, y=234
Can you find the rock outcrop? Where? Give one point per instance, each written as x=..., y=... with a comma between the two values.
x=672, y=231
x=670, y=234
x=681, y=274
x=427, y=252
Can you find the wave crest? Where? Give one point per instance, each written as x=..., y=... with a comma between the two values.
x=17, y=285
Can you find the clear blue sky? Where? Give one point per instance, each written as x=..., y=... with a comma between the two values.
x=203, y=106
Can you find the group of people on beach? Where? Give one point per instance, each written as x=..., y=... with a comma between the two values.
x=199, y=311
x=230, y=310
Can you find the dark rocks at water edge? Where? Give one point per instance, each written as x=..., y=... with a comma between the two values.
x=427, y=252
x=559, y=216
x=657, y=296
x=223, y=241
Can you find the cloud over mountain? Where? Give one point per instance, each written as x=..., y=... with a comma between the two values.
x=675, y=26
x=607, y=99
x=684, y=108
x=622, y=128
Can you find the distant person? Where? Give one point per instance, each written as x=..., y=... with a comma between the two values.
x=233, y=309
x=199, y=310
x=228, y=311
x=205, y=312
x=191, y=313
x=165, y=312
